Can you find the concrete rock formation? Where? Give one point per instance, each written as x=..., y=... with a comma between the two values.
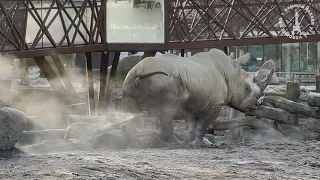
x=12, y=124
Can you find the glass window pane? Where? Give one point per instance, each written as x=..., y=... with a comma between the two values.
x=256, y=59
x=271, y=51
x=290, y=58
x=279, y=58
x=241, y=50
x=308, y=57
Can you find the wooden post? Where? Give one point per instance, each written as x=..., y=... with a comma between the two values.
x=103, y=82
x=182, y=52
x=318, y=83
x=293, y=94
x=62, y=73
x=293, y=91
x=55, y=83
x=313, y=99
x=226, y=50
x=50, y=75
x=110, y=81
x=90, y=85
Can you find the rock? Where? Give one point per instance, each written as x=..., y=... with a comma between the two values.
x=79, y=129
x=12, y=124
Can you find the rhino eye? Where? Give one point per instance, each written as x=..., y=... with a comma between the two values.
x=247, y=89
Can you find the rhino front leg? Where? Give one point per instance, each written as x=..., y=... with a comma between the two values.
x=205, y=118
x=192, y=126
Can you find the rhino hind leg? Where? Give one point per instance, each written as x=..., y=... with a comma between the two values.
x=205, y=118
x=165, y=115
x=159, y=95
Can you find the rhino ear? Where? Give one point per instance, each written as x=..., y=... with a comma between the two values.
x=243, y=59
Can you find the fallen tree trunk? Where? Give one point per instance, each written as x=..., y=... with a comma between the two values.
x=240, y=122
x=291, y=106
x=276, y=114
x=313, y=99
x=313, y=125
x=297, y=132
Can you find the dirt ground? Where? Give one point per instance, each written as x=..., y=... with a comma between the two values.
x=280, y=159
x=294, y=160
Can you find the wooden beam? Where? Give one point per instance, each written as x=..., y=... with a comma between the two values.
x=238, y=42
x=65, y=79
x=110, y=81
x=90, y=85
x=50, y=75
x=103, y=82
x=56, y=51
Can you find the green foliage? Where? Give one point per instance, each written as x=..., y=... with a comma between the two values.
x=124, y=66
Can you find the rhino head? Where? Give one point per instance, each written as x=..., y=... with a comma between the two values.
x=244, y=92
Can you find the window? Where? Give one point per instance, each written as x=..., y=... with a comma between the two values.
x=290, y=59
x=308, y=57
x=241, y=50
x=256, y=60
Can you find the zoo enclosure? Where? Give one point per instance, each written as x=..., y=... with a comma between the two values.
x=48, y=28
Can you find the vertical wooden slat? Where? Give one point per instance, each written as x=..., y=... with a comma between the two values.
x=65, y=79
x=110, y=83
x=182, y=52
x=102, y=106
x=50, y=75
x=90, y=84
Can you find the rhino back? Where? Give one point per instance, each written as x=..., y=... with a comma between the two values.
x=203, y=83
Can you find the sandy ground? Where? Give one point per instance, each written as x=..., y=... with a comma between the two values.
x=282, y=159
x=295, y=160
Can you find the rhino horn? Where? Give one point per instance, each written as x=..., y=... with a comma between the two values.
x=243, y=59
x=264, y=82
x=231, y=55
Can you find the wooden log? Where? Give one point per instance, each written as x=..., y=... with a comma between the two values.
x=276, y=114
x=293, y=91
x=293, y=94
x=291, y=106
x=33, y=136
x=297, y=132
x=313, y=125
x=281, y=94
x=318, y=83
x=45, y=132
x=313, y=99
x=240, y=122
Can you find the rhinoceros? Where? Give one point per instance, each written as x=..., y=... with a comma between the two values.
x=193, y=88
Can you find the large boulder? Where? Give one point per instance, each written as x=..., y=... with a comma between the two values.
x=12, y=124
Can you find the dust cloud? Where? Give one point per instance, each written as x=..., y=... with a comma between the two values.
x=52, y=112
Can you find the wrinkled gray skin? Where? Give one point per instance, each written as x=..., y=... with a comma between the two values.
x=195, y=89
x=259, y=75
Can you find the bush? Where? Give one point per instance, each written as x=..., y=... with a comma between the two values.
x=124, y=66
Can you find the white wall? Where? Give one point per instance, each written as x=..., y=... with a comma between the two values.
x=126, y=24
